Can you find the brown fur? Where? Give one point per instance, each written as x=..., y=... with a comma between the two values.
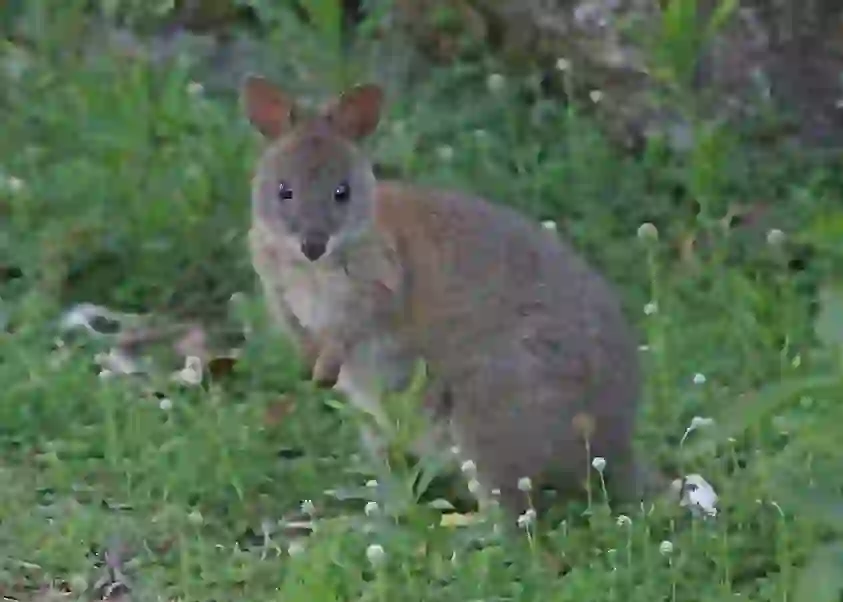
x=534, y=368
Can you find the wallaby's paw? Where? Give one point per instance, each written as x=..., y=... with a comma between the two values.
x=309, y=356
x=324, y=382
x=326, y=370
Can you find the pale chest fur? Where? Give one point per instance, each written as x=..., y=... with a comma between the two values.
x=317, y=294
x=330, y=295
x=319, y=298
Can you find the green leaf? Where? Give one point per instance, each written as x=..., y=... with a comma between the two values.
x=821, y=579
x=326, y=16
x=828, y=325
x=679, y=40
x=759, y=407
x=722, y=14
x=820, y=501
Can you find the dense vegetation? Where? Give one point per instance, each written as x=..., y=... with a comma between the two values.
x=125, y=184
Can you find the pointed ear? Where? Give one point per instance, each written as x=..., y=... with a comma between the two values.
x=357, y=112
x=269, y=110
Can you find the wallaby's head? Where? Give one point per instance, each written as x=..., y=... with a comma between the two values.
x=313, y=186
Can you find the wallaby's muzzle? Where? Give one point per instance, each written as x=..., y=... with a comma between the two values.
x=313, y=246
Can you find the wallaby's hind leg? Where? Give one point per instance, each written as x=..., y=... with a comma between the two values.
x=518, y=421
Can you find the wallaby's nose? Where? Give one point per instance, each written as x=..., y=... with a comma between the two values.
x=313, y=248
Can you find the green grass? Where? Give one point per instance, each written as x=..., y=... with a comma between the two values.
x=126, y=188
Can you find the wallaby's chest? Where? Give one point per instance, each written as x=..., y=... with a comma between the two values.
x=318, y=297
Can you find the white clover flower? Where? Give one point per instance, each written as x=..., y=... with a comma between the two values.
x=495, y=82
x=307, y=507
x=697, y=422
x=469, y=468
x=648, y=231
x=441, y=504
x=195, y=518
x=525, y=484
x=445, y=153
x=398, y=127
x=699, y=378
x=375, y=554
x=563, y=64
x=194, y=171
x=165, y=403
x=623, y=521
x=371, y=508
x=549, y=224
x=666, y=548
x=775, y=237
x=191, y=374
x=527, y=519
x=651, y=308
x=696, y=494
x=595, y=96
x=77, y=583
x=14, y=184
x=455, y=450
x=599, y=464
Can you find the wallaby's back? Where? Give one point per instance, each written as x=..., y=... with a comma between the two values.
x=534, y=367
x=531, y=344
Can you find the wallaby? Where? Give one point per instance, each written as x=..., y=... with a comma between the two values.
x=533, y=367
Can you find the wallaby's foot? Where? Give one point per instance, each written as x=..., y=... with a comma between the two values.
x=326, y=369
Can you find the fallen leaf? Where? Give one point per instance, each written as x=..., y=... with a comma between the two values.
x=221, y=366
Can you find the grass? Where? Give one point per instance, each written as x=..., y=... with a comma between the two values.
x=126, y=185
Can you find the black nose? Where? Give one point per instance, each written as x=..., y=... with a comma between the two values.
x=313, y=249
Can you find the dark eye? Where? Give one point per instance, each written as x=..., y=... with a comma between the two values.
x=342, y=193
x=285, y=193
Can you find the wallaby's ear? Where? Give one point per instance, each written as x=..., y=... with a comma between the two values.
x=357, y=112
x=269, y=109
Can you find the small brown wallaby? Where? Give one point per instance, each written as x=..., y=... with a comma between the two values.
x=533, y=367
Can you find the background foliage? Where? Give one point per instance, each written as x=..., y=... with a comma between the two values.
x=125, y=166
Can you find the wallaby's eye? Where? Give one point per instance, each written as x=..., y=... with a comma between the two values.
x=342, y=193
x=285, y=193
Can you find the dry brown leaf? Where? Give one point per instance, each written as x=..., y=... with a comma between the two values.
x=221, y=366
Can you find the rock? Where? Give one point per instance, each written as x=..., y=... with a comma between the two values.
x=782, y=55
